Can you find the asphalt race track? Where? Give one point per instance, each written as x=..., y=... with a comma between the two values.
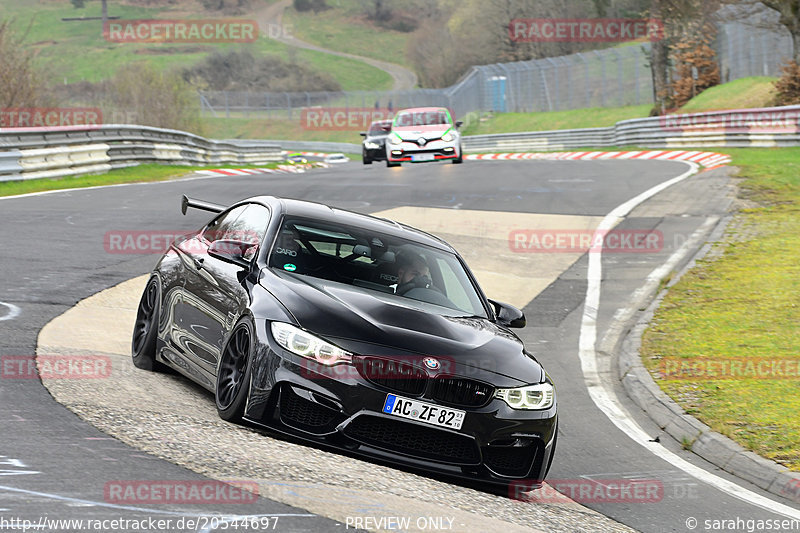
x=53, y=464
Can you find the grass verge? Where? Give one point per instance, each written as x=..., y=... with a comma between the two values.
x=272, y=128
x=738, y=94
x=741, y=306
x=555, y=120
x=139, y=174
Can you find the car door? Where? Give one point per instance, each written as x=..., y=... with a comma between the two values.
x=215, y=293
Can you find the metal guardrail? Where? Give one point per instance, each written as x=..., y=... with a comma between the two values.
x=309, y=146
x=30, y=153
x=768, y=127
x=38, y=153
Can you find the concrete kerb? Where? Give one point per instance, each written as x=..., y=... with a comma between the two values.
x=623, y=343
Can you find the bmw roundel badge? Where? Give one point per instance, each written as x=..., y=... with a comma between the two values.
x=431, y=363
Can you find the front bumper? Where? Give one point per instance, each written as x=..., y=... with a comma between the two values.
x=409, y=151
x=375, y=154
x=495, y=445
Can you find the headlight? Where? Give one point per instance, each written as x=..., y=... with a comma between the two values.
x=448, y=137
x=539, y=396
x=371, y=146
x=304, y=344
x=394, y=139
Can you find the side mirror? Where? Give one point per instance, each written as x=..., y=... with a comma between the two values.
x=508, y=315
x=363, y=133
x=232, y=251
x=459, y=123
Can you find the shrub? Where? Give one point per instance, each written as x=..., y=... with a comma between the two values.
x=788, y=86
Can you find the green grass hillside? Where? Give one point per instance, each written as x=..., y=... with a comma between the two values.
x=345, y=28
x=737, y=94
x=76, y=51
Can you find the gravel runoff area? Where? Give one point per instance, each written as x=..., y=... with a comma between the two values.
x=169, y=417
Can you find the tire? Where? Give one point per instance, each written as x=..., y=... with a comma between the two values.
x=460, y=157
x=145, y=329
x=233, y=373
x=365, y=157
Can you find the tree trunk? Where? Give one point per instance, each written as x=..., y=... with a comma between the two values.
x=658, y=66
x=105, y=12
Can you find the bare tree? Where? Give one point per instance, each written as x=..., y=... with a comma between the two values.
x=20, y=83
x=683, y=21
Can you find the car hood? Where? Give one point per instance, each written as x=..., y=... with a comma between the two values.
x=368, y=322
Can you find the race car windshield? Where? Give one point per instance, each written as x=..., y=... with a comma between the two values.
x=422, y=118
x=376, y=262
x=379, y=129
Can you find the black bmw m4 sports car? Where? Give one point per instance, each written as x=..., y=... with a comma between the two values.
x=351, y=331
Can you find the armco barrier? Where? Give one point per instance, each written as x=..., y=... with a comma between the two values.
x=767, y=127
x=37, y=152
x=9, y=162
x=28, y=153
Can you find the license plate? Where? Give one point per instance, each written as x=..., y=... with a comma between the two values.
x=416, y=158
x=423, y=412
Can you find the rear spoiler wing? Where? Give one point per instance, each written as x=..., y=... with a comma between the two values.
x=187, y=202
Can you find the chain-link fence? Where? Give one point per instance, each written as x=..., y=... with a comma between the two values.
x=745, y=50
x=602, y=78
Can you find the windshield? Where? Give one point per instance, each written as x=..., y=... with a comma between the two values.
x=422, y=118
x=380, y=128
x=376, y=262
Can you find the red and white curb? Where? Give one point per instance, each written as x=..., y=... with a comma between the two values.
x=281, y=169
x=708, y=160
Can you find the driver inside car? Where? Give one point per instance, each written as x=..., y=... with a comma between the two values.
x=412, y=272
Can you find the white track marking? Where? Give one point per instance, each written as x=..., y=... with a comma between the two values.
x=199, y=175
x=13, y=312
x=83, y=502
x=603, y=395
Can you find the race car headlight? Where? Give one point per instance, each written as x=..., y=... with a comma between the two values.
x=532, y=397
x=394, y=139
x=371, y=146
x=306, y=345
x=448, y=137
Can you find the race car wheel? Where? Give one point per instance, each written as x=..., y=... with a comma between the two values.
x=145, y=329
x=460, y=157
x=233, y=374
